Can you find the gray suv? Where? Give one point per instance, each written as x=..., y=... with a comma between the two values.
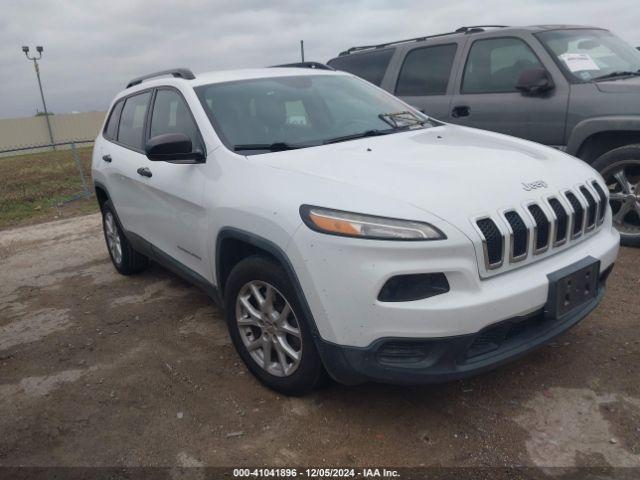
x=574, y=88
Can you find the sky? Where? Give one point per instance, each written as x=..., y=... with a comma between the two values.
x=92, y=48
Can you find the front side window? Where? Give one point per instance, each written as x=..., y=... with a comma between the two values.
x=369, y=65
x=426, y=71
x=302, y=111
x=590, y=54
x=131, y=130
x=171, y=115
x=494, y=65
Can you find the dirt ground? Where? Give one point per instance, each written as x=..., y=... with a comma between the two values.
x=99, y=370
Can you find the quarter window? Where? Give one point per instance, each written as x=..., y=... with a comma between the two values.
x=494, y=65
x=371, y=65
x=426, y=71
x=131, y=131
x=171, y=115
x=111, y=129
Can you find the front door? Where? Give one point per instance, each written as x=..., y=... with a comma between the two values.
x=486, y=96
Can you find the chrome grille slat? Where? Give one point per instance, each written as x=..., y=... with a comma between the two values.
x=541, y=229
x=577, y=216
x=492, y=242
x=519, y=233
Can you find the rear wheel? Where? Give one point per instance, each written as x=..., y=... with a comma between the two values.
x=620, y=169
x=126, y=260
x=269, y=329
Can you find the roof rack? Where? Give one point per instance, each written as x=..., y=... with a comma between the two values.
x=471, y=29
x=318, y=65
x=176, y=72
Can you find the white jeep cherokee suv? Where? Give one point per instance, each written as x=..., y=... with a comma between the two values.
x=345, y=232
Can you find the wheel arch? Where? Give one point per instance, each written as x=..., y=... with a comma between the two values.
x=232, y=245
x=102, y=194
x=593, y=137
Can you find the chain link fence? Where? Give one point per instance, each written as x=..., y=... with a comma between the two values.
x=39, y=180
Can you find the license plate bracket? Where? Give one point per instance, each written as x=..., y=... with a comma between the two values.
x=572, y=287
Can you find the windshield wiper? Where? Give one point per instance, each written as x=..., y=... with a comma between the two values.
x=270, y=147
x=366, y=133
x=402, y=119
x=617, y=74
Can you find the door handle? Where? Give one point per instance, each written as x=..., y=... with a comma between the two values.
x=145, y=172
x=460, y=111
x=106, y=158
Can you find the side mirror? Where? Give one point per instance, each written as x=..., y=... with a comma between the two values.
x=534, y=81
x=172, y=147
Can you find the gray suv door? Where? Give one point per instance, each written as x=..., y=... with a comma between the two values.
x=486, y=95
x=424, y=78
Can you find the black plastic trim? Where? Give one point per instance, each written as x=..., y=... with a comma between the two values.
x=445, y=357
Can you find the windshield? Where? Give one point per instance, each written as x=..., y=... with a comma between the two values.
x=281, y=113
x=590, y=54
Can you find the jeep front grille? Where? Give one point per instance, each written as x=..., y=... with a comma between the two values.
x=550, y=223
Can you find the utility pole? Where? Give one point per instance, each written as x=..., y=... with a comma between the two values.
x=302, y=50
x=35, y=59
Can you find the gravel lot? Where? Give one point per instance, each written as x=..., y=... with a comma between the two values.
x=98, y=370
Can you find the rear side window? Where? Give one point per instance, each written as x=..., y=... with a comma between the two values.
x=371, y=65
x=111, y=130
x=494, y=65
x=131, y=130
x=172, y=115
x=426, y=71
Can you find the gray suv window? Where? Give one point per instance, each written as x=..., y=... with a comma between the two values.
x=494, y=65
x=371, y=65
x=426, y=71
x=171, y=115
x=131, y=129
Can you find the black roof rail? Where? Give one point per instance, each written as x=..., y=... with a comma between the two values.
x=472, y=29
x=176, y=72
x=477, y=28
x=318, y=65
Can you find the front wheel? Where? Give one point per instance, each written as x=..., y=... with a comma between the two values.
x=620, y=169
x=269, y=329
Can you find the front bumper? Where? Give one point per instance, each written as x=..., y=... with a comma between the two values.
x=408, y=361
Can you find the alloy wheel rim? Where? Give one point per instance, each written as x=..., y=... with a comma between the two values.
x=269, y=328
x=113, y=238
x=623, y=181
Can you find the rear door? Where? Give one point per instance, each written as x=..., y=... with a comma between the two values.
x=424, y=78
x=126, y=186
x=486, y=96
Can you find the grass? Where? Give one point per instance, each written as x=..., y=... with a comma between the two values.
x=34, y=187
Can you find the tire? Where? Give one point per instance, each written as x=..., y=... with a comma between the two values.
x=124, y=258
x=257, y=330
x=624, y=190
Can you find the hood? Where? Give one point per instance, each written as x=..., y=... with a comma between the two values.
x=622, y=85
x=449, y=171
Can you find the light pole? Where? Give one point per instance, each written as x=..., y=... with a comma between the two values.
x=35, y=59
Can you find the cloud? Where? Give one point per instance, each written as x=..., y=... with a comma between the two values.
x=92, y=48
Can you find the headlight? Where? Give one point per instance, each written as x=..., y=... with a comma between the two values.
x=337, y=222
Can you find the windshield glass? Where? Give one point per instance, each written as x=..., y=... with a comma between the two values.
x=589, y=54
x=280, y=113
